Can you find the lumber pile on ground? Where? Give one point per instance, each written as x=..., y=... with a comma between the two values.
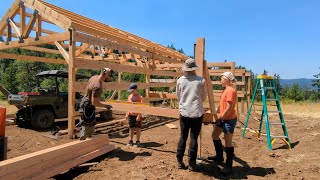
x=49, y=162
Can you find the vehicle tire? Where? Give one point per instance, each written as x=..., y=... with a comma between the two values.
x=20, y=119
x=106, y=115
x=42, y=119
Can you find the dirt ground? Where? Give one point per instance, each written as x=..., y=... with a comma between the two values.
x=156, y=158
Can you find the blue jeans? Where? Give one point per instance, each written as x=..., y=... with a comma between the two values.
x=227, y=125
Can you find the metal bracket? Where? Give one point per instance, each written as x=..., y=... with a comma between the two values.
x=71, y=31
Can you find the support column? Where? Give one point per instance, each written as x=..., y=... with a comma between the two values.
x=71, y=82
x=199, y=58
x=119, y=81
x=243, y=91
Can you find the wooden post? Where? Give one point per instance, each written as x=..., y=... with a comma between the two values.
x=71, y=82
x=243, y=89
x=199, y=55
x=22, y=18
x=199, y=58
x=248, y=90
x=119, y=81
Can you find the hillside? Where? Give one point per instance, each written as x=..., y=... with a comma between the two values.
x=302, y=82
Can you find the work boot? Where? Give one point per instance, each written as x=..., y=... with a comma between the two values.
x=218, y=158
x=181, y=165
x=227, y=169
x=180, y=153
x=130, y=143
x=192, y=165
x=138, y=144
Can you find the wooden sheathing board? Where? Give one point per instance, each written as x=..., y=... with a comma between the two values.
x=52, y=161
x=156, y=111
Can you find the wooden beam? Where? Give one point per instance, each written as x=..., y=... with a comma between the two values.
x=82, y=48
x=39, y=49
x=42, y=19
x=30, y=25
x=38, y=26
x=111, y=86
x=71, y=85
x=42, y=40
x=15, y=28
x=209, y=89
x=12, y=11
x=83, y=64
x=120, y=81
x=63, y=52
x=42, y=30
x=9, y=32
x=125, y=48
x=22, y=18
x=199, y=55
x=32, y=58
x=116, y=33
x=221, y=64
x=49, y=14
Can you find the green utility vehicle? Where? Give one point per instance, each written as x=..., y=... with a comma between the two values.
x=40, y=109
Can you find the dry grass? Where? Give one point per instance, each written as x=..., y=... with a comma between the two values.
x=10, y=109
x=303, y=109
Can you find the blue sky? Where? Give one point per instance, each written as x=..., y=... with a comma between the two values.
x=280, y=36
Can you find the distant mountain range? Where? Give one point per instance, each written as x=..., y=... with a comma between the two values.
x=302, y=82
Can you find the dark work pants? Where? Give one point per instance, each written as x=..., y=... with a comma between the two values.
x=194, y=126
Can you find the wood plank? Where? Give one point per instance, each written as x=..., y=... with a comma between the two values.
x=83, y=64
x=163, y=80
x=156, y=111
x=238, y=83
x=32, y=42
x=171, y=126
x=44, y=165
x=167, y=65
x=220, y=64
x=163, y=95
x=16, y=164
x=22, y=18
x=72, y=163
x=32, y=58
x=111, y=86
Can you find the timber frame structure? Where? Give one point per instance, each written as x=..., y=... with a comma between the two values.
x=23, y=29
x=25, y=26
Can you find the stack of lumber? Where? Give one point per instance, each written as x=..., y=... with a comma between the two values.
x=49, y=162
